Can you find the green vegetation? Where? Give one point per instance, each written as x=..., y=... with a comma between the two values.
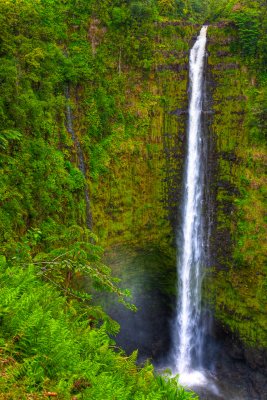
x=53, y=345
x=105, y=80
x=239, y=285
x=56, y=65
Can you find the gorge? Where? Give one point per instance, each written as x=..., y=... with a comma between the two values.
x=140, y=155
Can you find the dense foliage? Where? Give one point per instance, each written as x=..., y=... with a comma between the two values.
x=52, y=345
x=240, y=125
x=62, y=114
x=77, y=97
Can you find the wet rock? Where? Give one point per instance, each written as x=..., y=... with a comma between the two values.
x=228, y=155
x=256, y=358
x=172, y=67
x=237, y=351
x=179, y=111
x=223, y=53
x=225, y=67
x=176, y=53
x=259, y=385
x=241, y=371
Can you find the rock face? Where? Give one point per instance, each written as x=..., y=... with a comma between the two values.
x=136, y=203
x=137, y=200
x=240, y=369
x=236, y=288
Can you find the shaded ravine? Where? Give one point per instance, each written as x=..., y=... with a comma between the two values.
x=81, y=161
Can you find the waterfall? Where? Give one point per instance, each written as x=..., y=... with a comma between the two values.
x=81, y=162
x=190, y=241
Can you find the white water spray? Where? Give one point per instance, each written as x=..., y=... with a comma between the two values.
x=188, y=343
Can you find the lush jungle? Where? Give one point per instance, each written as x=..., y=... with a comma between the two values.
x=92, y=127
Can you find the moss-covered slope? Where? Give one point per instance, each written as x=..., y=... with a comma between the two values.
x=239, y=241
x=136, y=200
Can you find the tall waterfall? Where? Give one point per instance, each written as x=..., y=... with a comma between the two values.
x=187, y=335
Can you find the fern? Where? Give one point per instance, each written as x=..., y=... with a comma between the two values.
x=7, y=135
x=50, y=344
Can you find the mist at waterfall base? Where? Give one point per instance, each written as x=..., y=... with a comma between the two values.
x=150, y=275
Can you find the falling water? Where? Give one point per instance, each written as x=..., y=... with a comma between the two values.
x=188, y=342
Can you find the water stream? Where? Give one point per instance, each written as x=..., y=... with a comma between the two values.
x=187, y=335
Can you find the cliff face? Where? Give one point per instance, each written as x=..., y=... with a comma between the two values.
x=136, y=202
x=239, y=283
x=124, y=84
x=93, y=111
